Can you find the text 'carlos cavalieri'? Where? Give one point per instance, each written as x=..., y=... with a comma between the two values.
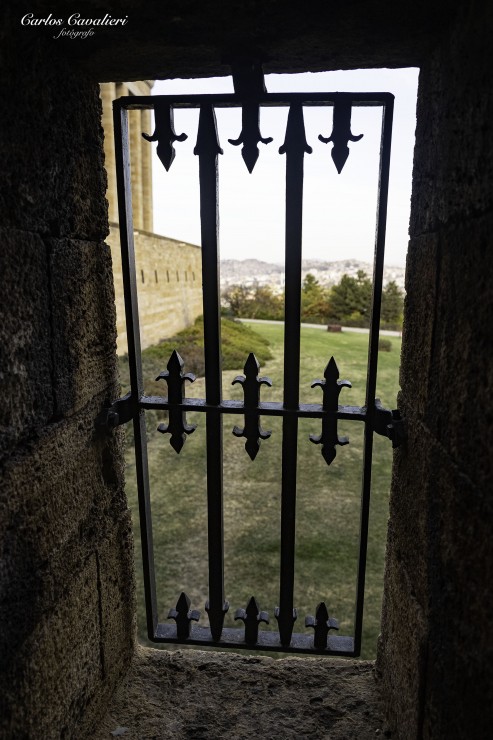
x=78, y=27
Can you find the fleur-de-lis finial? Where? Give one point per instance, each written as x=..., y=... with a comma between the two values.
x=341, y=133
x=177, y=424
x=252, y=616
x=321, y=623
x=248, y=81
x=183, y=616
x=331, y=388
x=251, y=384
x=164, y=133
x=250, y=135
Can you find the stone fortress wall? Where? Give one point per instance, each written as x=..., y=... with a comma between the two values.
x=169, y=285
x=169, y=272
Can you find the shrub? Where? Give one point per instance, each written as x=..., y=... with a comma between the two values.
x=237, y=342
x=384, y=345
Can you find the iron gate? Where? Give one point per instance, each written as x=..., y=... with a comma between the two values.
x=249, y=95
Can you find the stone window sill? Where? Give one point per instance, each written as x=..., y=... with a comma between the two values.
x=212, y=695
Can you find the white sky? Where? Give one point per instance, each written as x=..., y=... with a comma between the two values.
x=339, y=210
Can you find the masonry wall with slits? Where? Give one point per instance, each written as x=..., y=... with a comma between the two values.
x=169, y=286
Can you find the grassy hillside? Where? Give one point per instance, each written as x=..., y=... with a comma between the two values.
x=328, y=497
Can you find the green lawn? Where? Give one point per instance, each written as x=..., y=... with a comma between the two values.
x=327, y=507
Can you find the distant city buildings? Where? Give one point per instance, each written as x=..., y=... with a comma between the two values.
x=253, y=272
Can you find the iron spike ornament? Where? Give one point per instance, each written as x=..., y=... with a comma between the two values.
x=252, y=616
x=164, y=133
x=331, y=388
x=216, y=618
x=251, y=384
x=321, y=623
x=249, y=86
x=286, y=625
x=177, y=424
x=250, y=134
x=341, y=133
x=207, y=136
x=295, y=140
x=183, y=616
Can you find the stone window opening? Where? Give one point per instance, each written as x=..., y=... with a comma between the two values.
x=185, y=275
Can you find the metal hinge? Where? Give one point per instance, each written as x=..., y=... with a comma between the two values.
x=118, y=413
x=389, y=424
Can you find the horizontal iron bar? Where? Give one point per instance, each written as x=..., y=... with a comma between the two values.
x=267, y=640
x=228, y=100
x=385, y=422
x=266, y=408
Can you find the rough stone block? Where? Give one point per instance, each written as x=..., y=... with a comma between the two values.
x=440, y=564
x=117, y=593
x=453, y=168
x=65, y=487
x=56, y=674
x=25, y=337
x=66, y=579
x=51, y=147
x=461, y=601
x=419, y=317
x=459, y=405
x=198, y=694
x=408, y=524
x=402, y=649
x=84, y=333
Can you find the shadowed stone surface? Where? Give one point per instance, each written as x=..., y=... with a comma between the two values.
x=25, y=337
x=196, y=38
x=84, y=336
x=66, y=575
x=436, y=646
x=209, y=696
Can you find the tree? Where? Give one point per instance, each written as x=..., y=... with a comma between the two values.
x=392, y=304
x=259, y=302
x=314, y=301
x=350, y=300
x=265, y=304
x=237, y=299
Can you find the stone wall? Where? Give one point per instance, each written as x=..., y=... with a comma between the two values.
x=169, y=286
x=66, y=573
x=436, y=646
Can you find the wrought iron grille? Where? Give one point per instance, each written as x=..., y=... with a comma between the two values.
x=249, y=94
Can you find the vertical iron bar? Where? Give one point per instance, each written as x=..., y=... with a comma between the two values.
x=295, y=147
x=383, y=188
x=207, y=149
x=124, y=190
